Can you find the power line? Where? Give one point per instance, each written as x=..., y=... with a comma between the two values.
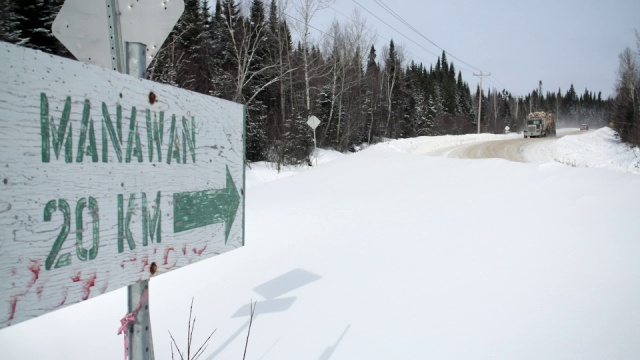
x=311, y=26
x=386, y=8
x=331, y=35
x=490, y=77
x=385, y=38
x=384, y=22
x=389, y=10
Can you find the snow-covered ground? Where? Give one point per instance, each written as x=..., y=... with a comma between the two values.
x=597, y=149
x=592, y=149
x=391, y=254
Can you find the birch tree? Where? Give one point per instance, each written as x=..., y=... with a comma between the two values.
x=392, y=74
x=246, y=43
x=306, y=10
x=349, y=42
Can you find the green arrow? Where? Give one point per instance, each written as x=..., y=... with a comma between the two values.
x=196, y=209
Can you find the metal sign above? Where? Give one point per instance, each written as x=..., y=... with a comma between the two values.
x=313, y=122
x=85, y=26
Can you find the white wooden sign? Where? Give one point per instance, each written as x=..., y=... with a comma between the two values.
x=106, y=180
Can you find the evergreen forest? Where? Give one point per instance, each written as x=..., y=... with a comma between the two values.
x=262, y=55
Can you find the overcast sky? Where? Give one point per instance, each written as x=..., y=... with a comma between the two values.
x=560, y=42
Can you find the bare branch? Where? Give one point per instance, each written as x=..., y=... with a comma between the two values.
x=277, y=78
x=191, y=325
x=190, y=330
x=176, y=345
x=246, y=345
x=203, y=347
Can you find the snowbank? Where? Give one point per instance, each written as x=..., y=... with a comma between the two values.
x=430, y=144
x=601, y=148
x=388, y=254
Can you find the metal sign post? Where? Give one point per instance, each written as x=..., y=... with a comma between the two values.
x=115, y=36
x=140, y=346
x=140, y=340
x=138, y=296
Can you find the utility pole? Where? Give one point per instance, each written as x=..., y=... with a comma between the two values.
x=540, y=96
x=481, y=75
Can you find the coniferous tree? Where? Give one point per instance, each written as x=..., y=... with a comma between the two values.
x=372, y=96
x=206, y=59
x=281, y=91
x=417, y=108
x=392, y=74
x=192, y=34
x=178, y=62
x=358, y=131
x=221, y=80
x=9, y=31
x=30, y=25
x=216, y=50
x=449, y=88
x=257, y=115
x=571, y=101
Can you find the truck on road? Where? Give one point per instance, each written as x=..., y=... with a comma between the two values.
x=540, y=124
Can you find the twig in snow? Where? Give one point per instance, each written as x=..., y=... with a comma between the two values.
x=190, y=328
x=246, y=344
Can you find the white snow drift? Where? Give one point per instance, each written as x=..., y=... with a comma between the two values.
x=391, y=254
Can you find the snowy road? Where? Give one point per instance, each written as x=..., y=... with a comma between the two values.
x=518, y=149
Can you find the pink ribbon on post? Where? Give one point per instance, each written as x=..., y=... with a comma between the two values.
x=128, y=319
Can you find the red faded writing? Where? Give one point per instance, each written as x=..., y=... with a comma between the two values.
x=165, y=262
x=166, y=255
x=34, y=267
x=39, y=291
x=132, y=259
x=86, y=286
x=13, y=304
x=199, y=252
x=64, y=299
x=104, y=287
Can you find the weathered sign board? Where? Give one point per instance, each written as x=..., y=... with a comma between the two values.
x=106, y=180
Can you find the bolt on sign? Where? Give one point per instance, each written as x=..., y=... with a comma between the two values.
x=106, y=180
